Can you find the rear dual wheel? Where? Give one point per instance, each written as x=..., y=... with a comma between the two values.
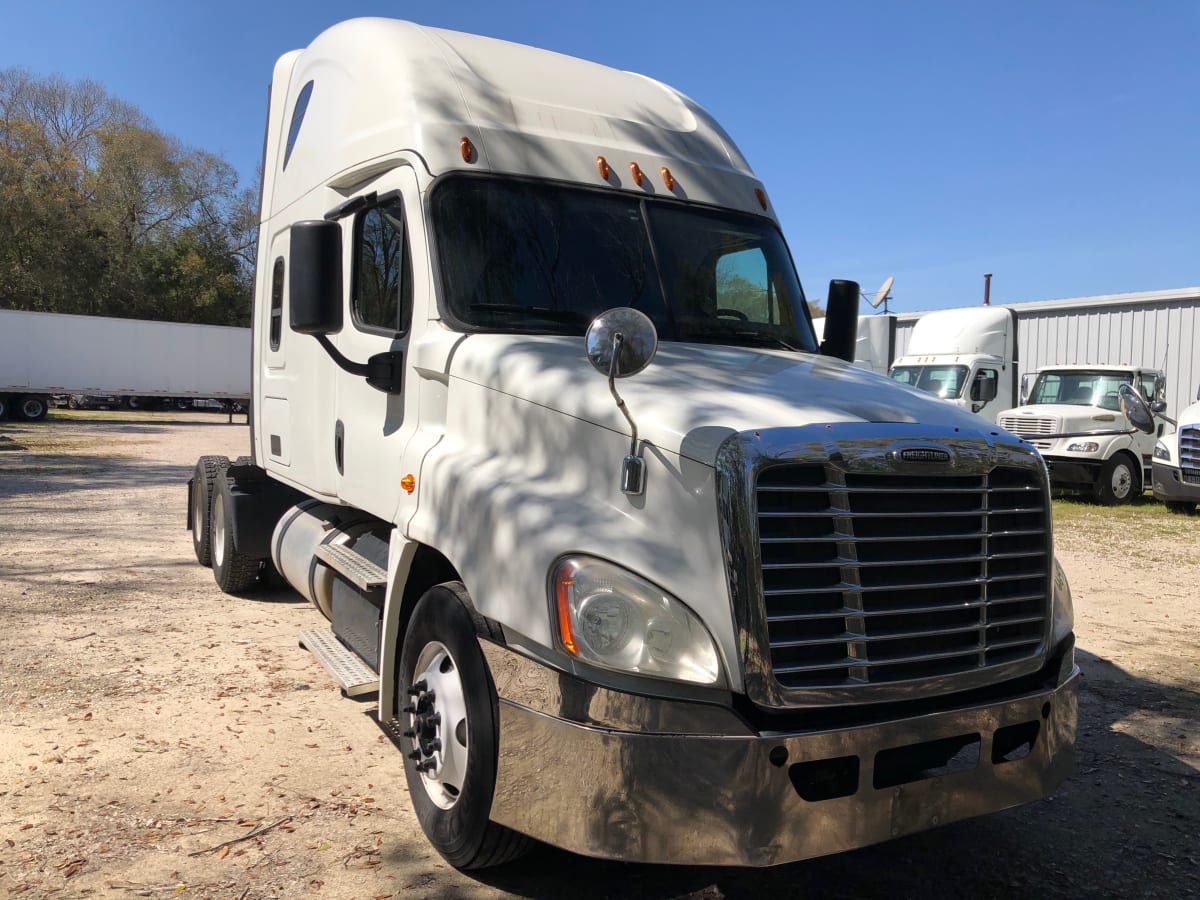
x=234, y=571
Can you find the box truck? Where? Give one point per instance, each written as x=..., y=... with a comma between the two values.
x=633, y=564
x=44, y=354
x=965, y=356
x=1176, y=466
x=1065, y=403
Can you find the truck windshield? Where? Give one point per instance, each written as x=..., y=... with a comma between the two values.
x=943, y=381
x=1080, y=388
x=546, y=259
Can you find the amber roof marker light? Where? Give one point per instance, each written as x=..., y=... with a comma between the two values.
x=602, y=167
x=467, y=149
x=668, y=178
x=638, y=175
x=762, y=197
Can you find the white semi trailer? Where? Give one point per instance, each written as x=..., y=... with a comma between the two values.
x=732, y=602
x=43, y=354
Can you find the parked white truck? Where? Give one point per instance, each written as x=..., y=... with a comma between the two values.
x=43, y=354
x=1176, y=468
x=735, y=603
x=1075, y=400
x=965, y=356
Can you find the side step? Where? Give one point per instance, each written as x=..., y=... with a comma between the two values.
x=356, y=568
x=353, y=676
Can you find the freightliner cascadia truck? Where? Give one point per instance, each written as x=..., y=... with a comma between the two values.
x=635, y=566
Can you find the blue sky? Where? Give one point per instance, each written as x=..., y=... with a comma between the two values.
x=1054, y=144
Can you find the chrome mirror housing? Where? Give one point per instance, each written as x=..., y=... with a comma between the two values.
x=622, y=336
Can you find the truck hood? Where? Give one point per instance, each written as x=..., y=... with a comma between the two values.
x=693, y=396
x=1070, y=416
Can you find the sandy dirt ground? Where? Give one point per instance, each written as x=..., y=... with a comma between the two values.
x=158, y=738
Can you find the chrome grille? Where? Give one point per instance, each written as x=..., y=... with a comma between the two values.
x=1189, y=453
x=887, y=578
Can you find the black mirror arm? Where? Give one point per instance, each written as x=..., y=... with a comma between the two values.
x=383, y=371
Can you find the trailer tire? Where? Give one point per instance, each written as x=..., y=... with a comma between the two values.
x=234, y=572
x=33, y=408
x=1119, y=480
x=441, y=661
x=3, y=407
x=204, y=478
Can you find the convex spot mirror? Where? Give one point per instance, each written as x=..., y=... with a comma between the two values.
x=638, y=344
x=1136, y=410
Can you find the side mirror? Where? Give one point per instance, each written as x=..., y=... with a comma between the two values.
x=1026, y=384
x=984, y=389
x=315, y=280
x=1158, y=406
x=1136, y=410
x=621, y=342
x=841, y=320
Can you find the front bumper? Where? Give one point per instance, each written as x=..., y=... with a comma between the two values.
x=1170, y=486
x=1070, y=470
x=570, y=775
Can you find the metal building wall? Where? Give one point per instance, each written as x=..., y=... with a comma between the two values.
x=1158, y=330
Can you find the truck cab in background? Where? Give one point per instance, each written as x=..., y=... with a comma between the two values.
x=1074, y=400
x=729, y=600
x=965, y=356
x=1176, y=468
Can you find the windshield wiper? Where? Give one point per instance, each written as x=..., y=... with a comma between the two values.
x=535, y=312
x=732, y=336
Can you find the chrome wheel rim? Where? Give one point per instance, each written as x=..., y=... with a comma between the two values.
x=437, y=724
x=218, y=532
x=1122, y=481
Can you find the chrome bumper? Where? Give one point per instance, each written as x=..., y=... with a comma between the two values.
x=735, y=798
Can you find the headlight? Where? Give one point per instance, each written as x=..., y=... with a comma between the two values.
x=1161, y=451
x=1064, y=609
x=1083, y=447
x=610, y=617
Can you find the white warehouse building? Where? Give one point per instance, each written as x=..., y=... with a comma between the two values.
x=1154, y=329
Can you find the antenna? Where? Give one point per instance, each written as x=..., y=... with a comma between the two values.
x=881, y=295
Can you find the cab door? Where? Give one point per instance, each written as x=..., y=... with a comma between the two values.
x=385, y=281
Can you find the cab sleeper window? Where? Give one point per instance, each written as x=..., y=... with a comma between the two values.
x=382, y=300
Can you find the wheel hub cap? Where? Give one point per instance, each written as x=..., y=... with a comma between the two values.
x=437, y=724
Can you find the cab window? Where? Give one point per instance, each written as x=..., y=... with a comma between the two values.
x=382, y=293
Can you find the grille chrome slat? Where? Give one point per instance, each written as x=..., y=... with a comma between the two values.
x=993, y=575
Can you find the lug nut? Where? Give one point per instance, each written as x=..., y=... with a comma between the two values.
x=417, y=689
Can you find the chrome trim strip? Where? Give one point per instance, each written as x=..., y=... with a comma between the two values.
x=849, y=449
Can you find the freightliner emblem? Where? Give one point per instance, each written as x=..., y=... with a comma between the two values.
x=925, y=455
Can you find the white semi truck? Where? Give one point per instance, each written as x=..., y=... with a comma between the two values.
x=965, y=356
x=1176, y=467
x=44, y=354
x=635, y=566
x=1066, y=403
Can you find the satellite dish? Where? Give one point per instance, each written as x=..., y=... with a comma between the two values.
x=881, y=295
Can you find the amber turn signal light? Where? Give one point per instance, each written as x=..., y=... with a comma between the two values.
x=408, y=483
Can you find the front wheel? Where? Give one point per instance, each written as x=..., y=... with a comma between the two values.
x=1182, y=507
x=1119, y=481
x=451, y=733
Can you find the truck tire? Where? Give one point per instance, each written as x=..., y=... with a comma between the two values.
x=3, y=407
x=451, y=730
x=1182, y=507
x=33, y=408
x=1119, y=480
x=204, y=477
x=234, y=572
x=132, y=402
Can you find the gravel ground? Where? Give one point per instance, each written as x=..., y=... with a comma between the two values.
x=158, y=738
